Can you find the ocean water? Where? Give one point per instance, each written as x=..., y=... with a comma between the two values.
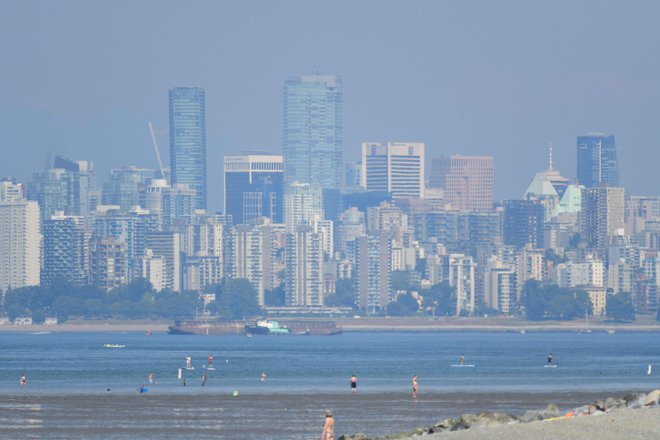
x=79, y=389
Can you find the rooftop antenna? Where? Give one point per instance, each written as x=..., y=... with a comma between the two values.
x=550, y=156
x=155, y=144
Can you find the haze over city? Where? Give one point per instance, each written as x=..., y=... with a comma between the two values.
x=82, y=79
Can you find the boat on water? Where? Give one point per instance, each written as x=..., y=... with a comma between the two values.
x=114, y=346
x=300, y=326
x=267, y=327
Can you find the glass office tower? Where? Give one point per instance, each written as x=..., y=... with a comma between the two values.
x=188, y=140
x=313, y=129
x=596, y=160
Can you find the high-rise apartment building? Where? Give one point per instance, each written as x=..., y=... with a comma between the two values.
x=254, y=188
x=602, y=215
x=247, y=242
x=523, y=223
x=109, y=264
x=597, y=160
x=395, y=167
x=10, y=190
x=65, y=246
x=303, y=203
x=304, y=268
x=20, y=244
x=372, y=254
x=313, y=130
x=123, y=186
x=467, y=181
x=167, y=245
x=67, y=186
x=188, y=140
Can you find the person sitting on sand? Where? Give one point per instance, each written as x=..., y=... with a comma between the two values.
x=414, y=386
x=329, y=427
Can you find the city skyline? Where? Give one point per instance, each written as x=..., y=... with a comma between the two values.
x=453, y=106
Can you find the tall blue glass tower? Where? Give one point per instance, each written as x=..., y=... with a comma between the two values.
x=313, y=130
x=596, y=160
x=188, y=140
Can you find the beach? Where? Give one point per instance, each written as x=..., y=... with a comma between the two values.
x=218, y=415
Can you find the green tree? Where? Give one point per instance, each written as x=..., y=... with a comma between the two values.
x=275, y=297
x=620, y=307
x=238, y=299
x=404, y=305
x=345, y=294
x=553, y=302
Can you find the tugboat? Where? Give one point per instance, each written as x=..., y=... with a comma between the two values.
x=266, y=327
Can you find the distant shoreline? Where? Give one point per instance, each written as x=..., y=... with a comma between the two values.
x=376, y=324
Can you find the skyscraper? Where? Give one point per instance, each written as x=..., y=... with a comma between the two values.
x=303, y=203
x=467, y=181
x=304, y=263
x=64, y=250
x=188, y=140
x=20, y=244
x=602, y=216
x=373, y=271
x=596, y=160
x=254, y=188
x=313, y=130
x=523, y=223
x=395, y=167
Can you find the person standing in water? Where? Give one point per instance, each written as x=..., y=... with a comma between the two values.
x=211, y=360
x=329, y=427
x=263, y=377
x=414, y=386
x=204, y=379
x=150, y=378
x=23, y=380
x=353, y=384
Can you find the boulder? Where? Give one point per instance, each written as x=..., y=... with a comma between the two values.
x=634, y=400
x=358, y=436
x=613, y=403
x=599, y=405
x=652, y=398
x=495, y=419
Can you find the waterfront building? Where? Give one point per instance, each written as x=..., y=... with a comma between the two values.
x=304, y=268
x=372, y=271
x=254, y=188
x=109, y=264
x=467, y=181
x=188, y=141
x=20, y=244
x=500, y=286
x=313, y=130
x=460, y=275
x=597, y=162
x=394, y=167
x=167, y=246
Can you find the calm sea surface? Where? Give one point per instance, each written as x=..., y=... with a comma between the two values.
x=305, y=374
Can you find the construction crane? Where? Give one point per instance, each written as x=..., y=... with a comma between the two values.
x=155, y=144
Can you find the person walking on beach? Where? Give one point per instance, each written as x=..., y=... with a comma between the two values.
x=353, y=384
x=23, y=380
x=414, y=386
x=329, y=427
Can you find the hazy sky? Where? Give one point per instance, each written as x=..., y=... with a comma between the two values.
x=501, y=78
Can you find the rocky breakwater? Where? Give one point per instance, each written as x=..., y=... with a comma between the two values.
x=549, y=413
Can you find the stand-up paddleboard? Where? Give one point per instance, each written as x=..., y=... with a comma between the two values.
x=550, y=366
x=190, y=368
x=650, y=370
x=464, y=365
x=211, y=368
x=180, y=374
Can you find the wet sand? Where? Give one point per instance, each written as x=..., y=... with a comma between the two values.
x=268, y=416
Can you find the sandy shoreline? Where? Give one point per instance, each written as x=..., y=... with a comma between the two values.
x=217, y=415
x=375, y=324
